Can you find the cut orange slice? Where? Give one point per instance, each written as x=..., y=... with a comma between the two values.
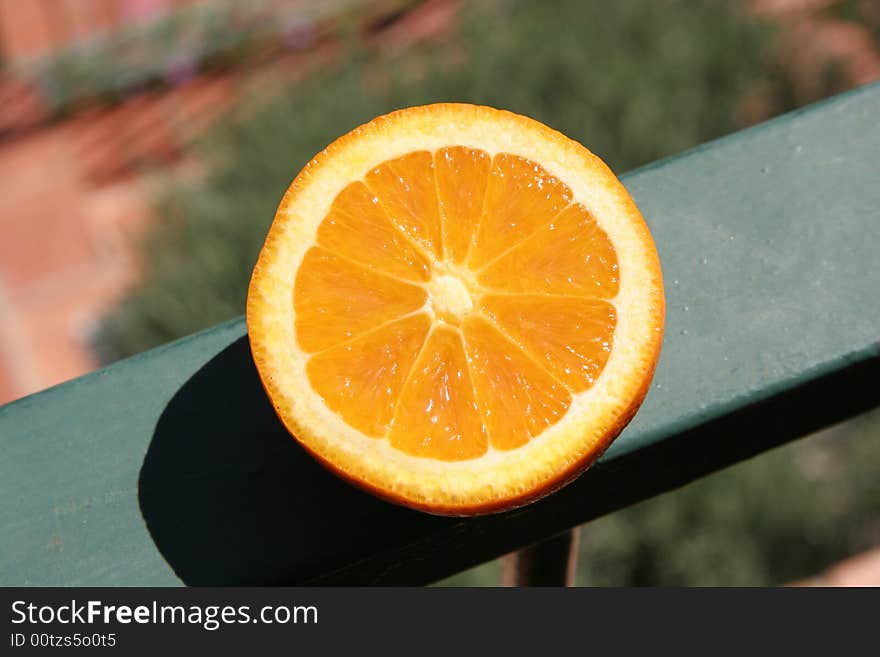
x=456, y=308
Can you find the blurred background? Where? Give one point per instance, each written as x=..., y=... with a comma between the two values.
x=144, y=145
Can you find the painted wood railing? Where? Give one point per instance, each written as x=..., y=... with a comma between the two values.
x=171, y=467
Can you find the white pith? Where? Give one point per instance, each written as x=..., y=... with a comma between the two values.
x=449, y=298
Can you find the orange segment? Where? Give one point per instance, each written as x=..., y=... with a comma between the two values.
x=462, y=174
x=518, y=397
x=571, y=337
x=568, y=255
x=406, y=189
x=520, y=198
x=437, y=415
x=358, y=228
x=361, y=380
x=336, y=300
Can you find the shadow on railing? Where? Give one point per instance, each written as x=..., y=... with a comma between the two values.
x=230, y=498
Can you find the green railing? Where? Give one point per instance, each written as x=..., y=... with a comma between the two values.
x=171, y=466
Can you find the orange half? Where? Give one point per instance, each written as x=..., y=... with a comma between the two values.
x=456, y=308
